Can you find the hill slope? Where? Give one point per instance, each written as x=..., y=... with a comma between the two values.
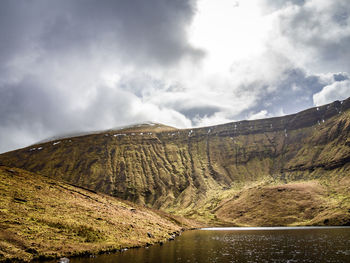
x=42, y=217
x=193, y=172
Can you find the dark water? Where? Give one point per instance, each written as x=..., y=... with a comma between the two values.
x=226, y=245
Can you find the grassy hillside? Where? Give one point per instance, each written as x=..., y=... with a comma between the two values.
x=191, y=172
x=292, y=204
x=42, y=217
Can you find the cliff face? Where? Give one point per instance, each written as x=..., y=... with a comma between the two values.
x=194, y=171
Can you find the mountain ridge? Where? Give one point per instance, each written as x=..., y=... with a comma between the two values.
x=192, y=171
x=119, y=128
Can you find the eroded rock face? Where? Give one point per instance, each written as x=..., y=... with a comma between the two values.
x=183, y=170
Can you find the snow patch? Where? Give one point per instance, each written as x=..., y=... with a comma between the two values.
x=190, y=133
x=119, y=134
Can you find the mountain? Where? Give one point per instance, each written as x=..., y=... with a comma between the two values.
x=45, y=218
x=290, y=170
x=132, y=127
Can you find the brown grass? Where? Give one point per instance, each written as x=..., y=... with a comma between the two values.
x=43, y=217
x=302, y=203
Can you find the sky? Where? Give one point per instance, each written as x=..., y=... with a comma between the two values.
x=86, y=65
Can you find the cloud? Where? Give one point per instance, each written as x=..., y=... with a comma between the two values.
x=291, y=92
x=336, y=91
x=85, y=65
x=315, y=34
x=70, y=65
x=259, y=115
x=151, y=32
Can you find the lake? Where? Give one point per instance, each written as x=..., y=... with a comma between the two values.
x=224, y=245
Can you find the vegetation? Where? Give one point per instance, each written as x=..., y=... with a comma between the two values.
x=43, y=218
x=293, y=204
x=291, y=170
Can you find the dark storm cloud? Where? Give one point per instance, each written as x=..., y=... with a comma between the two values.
x=29, y=103
x=11, y=32
x=135, y=29
x=51, y=53
x=28, y=111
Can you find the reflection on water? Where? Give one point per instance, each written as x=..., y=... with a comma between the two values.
x=243, y=245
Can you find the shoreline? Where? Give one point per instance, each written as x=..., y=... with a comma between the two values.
x=90, y=254
x=268, y=228
x=87, y=254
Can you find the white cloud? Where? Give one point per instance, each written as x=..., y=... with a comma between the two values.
x=335, y=91
x=217, y=118
x=228, y=32
x=259, y=115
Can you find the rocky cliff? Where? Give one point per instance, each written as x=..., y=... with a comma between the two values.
x=201, y=172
